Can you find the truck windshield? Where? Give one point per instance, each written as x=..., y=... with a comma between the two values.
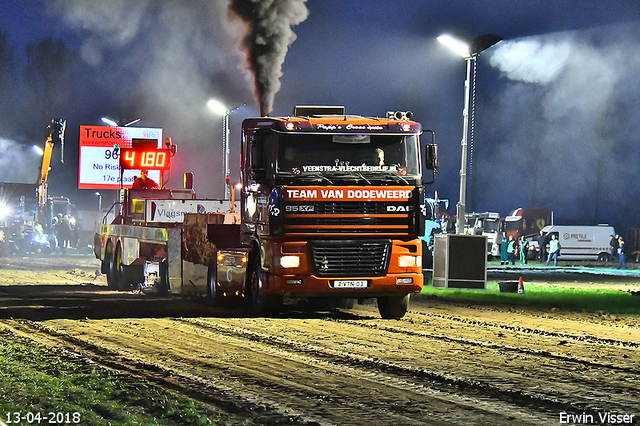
x=366, y=154
x=512, y=225
x=491, y=226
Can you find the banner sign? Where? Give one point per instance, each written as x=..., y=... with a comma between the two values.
x=338, y=193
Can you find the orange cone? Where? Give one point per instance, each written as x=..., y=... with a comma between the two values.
x=521, y=286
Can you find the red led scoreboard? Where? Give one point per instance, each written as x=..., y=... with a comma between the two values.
x=151, y=159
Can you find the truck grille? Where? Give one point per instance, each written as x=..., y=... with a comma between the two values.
x=349, y=218
x=356, y=258
x=349, y=208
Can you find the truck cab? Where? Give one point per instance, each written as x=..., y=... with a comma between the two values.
x=332, y=207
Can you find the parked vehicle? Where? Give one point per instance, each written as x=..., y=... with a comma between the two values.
x=489, y=224
x=526, y=222
x=581, y=242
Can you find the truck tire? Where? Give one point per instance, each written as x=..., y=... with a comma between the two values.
x=261, y=304
x=163, y=285
x=393, y=307
x=107, y=268
x=122, y=273
x=603, y=257
x=213, y=292
x=427, y=256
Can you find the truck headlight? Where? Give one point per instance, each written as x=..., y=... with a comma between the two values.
x=409, y=261
x=290, y=262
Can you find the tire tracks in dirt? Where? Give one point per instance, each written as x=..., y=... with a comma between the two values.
x=312, y=386
x=81, y=352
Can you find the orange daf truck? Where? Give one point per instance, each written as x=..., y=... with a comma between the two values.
x=331, y=211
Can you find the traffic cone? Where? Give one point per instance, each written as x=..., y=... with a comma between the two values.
x=520, y=286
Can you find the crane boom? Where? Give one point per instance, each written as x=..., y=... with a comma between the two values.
x=56, y=136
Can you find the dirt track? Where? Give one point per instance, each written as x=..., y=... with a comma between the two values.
x=440, y=364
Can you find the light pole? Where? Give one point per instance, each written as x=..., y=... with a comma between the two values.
x=99, y=202
x=469, y=50
x=238, y=186
x=219, y=108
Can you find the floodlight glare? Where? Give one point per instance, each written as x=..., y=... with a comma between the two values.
x=459, y=46
x=109, y=121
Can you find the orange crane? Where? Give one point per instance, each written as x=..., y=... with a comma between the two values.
x=56, y=136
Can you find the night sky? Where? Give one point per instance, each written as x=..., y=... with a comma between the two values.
x=556, y=124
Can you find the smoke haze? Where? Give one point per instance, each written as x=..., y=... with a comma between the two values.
x=563, y=124
x=18, y=163
x=161, y=61
x=267, y=39
x=556, y=119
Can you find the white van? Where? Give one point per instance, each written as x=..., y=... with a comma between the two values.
x=582, y=242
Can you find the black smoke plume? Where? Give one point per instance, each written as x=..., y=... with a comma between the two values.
x=268, y=37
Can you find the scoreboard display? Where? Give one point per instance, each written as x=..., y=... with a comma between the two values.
x=145, y=158
x=101, y=165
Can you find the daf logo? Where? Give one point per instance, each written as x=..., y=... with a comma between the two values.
x=393, y=209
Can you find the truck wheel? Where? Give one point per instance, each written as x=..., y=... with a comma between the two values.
x=212, y=285
x=162, y=284
x=122, y=275
x=427, y=256
x=603, y=257
x=261, y=304
x=108, y=268
x=393, y=307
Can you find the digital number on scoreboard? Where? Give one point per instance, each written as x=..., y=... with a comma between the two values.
x=152, y=159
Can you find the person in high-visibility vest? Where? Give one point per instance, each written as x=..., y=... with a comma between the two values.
x=554, y=248
x=524, y=249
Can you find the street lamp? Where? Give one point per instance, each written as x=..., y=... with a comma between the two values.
x=109, y=122
x=113, y=123
x=219, y=108
x=99, y=202
x=469, y=50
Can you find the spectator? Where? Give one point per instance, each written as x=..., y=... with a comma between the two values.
x=542, y=246
x=554, y=248
x=622, y=254
x=511, y=250
x=504, y=260
x=524, y=249
x=613, y=243
x=144, y=181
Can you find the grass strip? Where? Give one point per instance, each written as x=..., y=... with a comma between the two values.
x=546, y=297
x=37, y=379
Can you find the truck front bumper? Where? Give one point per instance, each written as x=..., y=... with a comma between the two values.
x=297, y=286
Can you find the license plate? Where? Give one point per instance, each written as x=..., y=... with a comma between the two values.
x=350, y=284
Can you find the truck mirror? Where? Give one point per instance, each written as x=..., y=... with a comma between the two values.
x=431, y=156
x=188, y=180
